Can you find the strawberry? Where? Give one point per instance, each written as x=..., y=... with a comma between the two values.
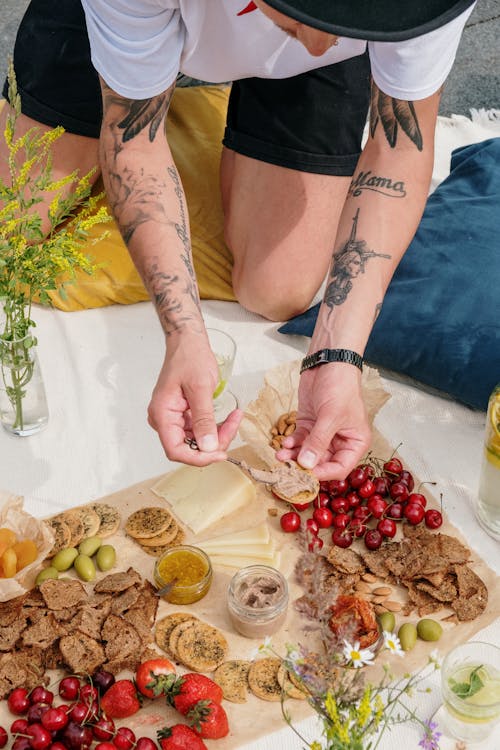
x=120, y=700
x=208, y=719
x=191, y=688
x=179, y=737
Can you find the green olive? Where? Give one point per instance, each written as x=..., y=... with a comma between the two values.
x=106, y=557
x=85, y=568
x=64, y=559
x=90, y=545
x=429, y=630
x=45, y=574
x=387, y=621
x=407, y=635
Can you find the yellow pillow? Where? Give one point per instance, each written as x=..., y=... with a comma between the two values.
x=195, y=127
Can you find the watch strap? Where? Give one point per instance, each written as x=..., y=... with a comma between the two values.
x=324, y=356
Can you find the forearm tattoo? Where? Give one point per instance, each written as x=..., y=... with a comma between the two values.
x=348, y=263
x=394, y=114
x=384, y=185
x=138, y=197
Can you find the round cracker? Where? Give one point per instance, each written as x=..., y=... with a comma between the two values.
x=160, y=539
x=158, y=550
x=290, y=684
x=148, y=522
x=201, y=647
x=263, y=678
x=89, y=519
x=165, y=626
x=61, y=532
x=232, y=677
x=176, y=633
x=109, y=519
x=73, y=522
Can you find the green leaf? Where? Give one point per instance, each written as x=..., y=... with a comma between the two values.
x=467, y=689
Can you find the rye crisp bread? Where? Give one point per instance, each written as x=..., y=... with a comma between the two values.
x=263, y=679
x=63, y=593
x=201, y=647
x=82, y=654
x=148, y=522
x=232, y=678
x=116, y=582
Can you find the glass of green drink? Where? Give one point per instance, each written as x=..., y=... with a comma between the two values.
x=470, y=684
x=224, y=349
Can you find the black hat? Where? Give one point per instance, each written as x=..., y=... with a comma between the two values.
x=376, y=20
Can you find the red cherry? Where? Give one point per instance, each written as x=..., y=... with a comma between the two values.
x=88, y=694
x=406, y=477
x=4, y=737
x=367, y=489
x=376, y=507
x=353, y=498
x=414, y=513
x=381, y=485
x=369, y=470
x=36, y=711
x=79, y=713
x=290, y=522
x=21, y=743
x=18, y=701
x=321, y=500
x=342, y=538
x=337, y=487
x=124, y=739
x=323, y=517
x=54, y=718
x=19, y=726
x=103, y=729
x=76, y=737
x=145, y=743
x=69, y=687
x=41, y=695
x=312, y=526
x=356, y=477
x=105, y=746
x=417, y=497
x=399, y=491
x=373, y=539
x=358, y=527
x=433, y=518
x=315, y=543
x=38, y=737
x=341, y=520
x=361, y=512
x=300, y=506
x=387, y=527
x=395, y=511
x=57, y=746
x=339, y=504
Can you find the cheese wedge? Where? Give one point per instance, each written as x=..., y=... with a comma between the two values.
x=202, y=496
x=258, y=535
x=261, y=552
x=236, y=561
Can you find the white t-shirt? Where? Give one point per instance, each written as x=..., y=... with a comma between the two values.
x=139, y=47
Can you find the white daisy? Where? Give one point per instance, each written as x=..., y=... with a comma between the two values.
x=392, y=643
x=266, y=646
x=356, y=656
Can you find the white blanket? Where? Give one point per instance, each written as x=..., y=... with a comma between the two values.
x=100, y=366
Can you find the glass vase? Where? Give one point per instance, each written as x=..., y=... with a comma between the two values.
x=23, y=404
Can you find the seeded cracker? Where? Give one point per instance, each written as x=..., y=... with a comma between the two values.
x=165, y=626
x=164, y=538
x=62, y=535
x=289, y=684
x=175, y=634
x=109, y=519
x=76, y=529
x=263, y=679
x=89, y=519
x=148, y=522
x=232, y=677
x=202, y=648
x=158, y=550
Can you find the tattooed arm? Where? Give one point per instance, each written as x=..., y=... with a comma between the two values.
x=147, y=199
x=381, y=214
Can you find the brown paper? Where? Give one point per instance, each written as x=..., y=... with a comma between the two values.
x=12, y=516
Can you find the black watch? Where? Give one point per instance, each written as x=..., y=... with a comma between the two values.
x=331, y=355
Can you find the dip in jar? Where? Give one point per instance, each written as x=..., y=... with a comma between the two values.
x=257, y=600
x=192, y=570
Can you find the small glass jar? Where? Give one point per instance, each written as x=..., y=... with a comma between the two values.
x=191, y=569
x=488, y=500
x=257, y=600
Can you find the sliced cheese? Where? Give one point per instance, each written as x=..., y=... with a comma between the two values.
x=202, y=496
x=262, y=552
x=258, y=535
x=236, y=561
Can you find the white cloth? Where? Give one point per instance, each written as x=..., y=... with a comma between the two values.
x=100, y=366
x=139, y=46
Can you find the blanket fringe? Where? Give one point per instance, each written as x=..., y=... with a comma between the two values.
x=485, y=116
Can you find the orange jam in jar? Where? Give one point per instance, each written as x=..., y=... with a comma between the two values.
x=191, y=570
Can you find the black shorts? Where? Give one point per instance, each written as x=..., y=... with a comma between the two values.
x=312, y=122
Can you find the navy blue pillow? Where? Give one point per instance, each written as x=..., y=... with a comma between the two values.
x=440, y=321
